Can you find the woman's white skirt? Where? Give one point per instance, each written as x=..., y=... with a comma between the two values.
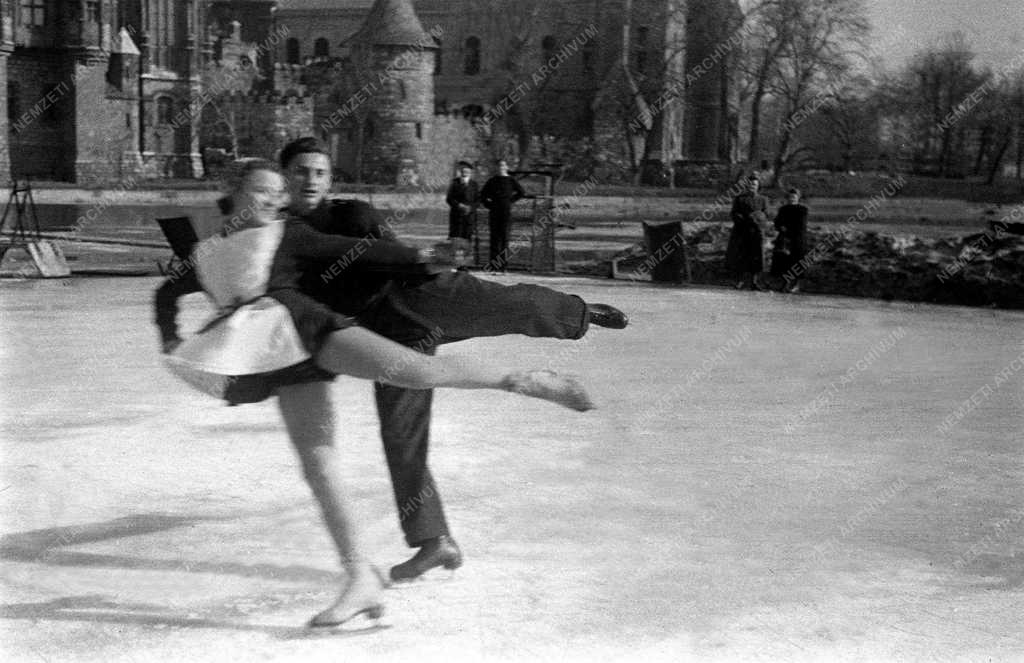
x=257, y=337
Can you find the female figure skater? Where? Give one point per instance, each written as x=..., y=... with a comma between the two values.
x=270, y=338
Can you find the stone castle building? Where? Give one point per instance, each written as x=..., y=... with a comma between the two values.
x=96, y=90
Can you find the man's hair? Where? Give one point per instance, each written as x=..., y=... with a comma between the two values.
x=304, y=145
x=464, y=164
x=793, y=191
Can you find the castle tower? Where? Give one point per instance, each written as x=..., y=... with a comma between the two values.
x=398, y=55
x=123, y=84
x=168, y=35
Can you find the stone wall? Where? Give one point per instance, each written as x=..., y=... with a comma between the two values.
x=107, y=128
x=263, y=124
x=454, y=139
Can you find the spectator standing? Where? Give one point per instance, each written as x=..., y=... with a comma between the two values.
x=498, y=196
x=790, y=243
x=745, y=253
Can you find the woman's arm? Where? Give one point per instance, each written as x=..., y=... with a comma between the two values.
x=737, y=213
x=450, y=197
x=165, y=303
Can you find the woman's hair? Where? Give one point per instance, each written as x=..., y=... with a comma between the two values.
x=235, y=177
x=793, y=191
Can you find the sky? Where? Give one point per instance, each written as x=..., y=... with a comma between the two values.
x=994, y=28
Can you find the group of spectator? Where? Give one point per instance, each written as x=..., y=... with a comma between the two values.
x=745, y=257
x=497, y=195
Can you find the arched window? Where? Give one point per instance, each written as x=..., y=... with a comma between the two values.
x=93, y=11
x=472, y=64
x=291, y=51
x=400, y=85
x=368, y=129
x=164, y=110
x=548, y=45
x=437, y=57
x=321, y=48
x=33, y=12
x=419, y=130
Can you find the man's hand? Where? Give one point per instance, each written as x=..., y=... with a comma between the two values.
x=439, y=254
x=170, y=345
x=464, y=208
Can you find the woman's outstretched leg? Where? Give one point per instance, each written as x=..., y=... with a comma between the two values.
x=364, y=354
x=309, y=417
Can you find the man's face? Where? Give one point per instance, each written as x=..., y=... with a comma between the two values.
x=464, y=173
x=309, y=181
x=503, y=168
x=754, y=185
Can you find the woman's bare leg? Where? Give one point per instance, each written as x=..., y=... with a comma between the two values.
x=364, y=354
x=309, y=417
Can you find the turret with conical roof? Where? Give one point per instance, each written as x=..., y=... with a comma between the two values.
x=397, y=54
x=392, y=23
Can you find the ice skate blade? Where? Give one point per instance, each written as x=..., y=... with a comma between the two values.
x=435, y=576
x=360, y=624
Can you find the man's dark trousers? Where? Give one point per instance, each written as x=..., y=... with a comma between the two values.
x=499, y=220
x=405, y=432
x=422, y=314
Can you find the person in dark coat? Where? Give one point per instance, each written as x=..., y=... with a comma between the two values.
x=790, y=244
x=745, y=254
x=463, y=198
x=498, y=195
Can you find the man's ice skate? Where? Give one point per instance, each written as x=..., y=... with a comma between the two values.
x=441, y=551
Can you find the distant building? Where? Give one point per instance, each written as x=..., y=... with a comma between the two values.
x=96, y=90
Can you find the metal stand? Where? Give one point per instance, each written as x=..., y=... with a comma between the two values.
x=24, y=206
x=47, y=260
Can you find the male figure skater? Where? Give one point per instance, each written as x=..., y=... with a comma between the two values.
x=421, y=311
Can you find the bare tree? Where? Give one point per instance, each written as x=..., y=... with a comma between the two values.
x=768, y=29
x=931, y=96
x=822, y=38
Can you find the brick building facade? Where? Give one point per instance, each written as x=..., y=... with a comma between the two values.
x=96, y=90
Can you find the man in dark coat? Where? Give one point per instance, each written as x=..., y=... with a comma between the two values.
x=421, y=311
x=790, y=246
x=745, y=254
x=498, y=195
x=463, y=198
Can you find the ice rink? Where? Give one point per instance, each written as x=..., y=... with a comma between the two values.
x=768, y=477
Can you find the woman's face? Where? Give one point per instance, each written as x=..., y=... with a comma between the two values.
x=261, y=197
x=794, y=198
